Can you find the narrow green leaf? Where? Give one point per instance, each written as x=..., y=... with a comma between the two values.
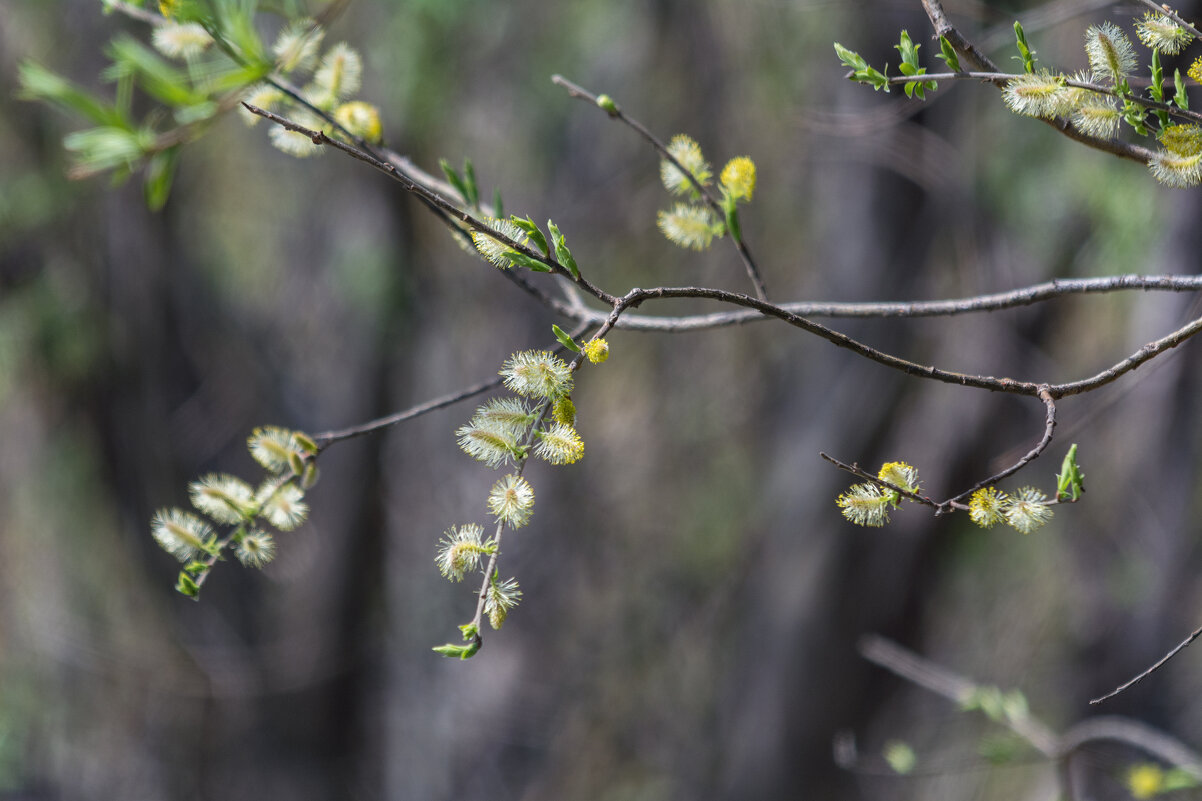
x=564, y=339
x=900, y=756
x=185, y=585
x=1070, y=481
x=1180, y=98
x=535, y=235
x=522, y=260
x=562, y=254
x=498, y=208
x=454, y=179
x=949, y=55
x=458, y=651
x=469, y=180
x=861, y=72
x=1025, y=53
x=39, y=83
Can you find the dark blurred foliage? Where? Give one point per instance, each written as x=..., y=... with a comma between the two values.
x=692, y=596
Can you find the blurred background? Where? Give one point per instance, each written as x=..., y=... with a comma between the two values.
x=692, y=597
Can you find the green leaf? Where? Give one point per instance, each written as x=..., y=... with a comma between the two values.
x=157, y=77
x=1070, y=481
x=607, y=103
x=732, y=222
x=105, y=148
x=861, y=72
x=469, y=631
x=1024, y=50
x=469, y=180
x=522, y=260
x=1180, y=98
x=1156, y=88
x=536, y=236
x=455, y=180
x=909, y=53
x=564, y=339
x=185, y=585
x=498, y=208
x=949, y=55
x=159, y=172
x=39, y=83
x=562, y=254
x=900, y=756
x=232, y=21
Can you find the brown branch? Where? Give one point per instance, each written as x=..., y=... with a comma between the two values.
x=1159, y=664
x=1045, y=395
x=1171, y=14
x=1144, y=354
x=328, y=438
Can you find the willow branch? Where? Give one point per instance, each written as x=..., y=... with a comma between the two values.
x=328, y=438
x=943, y=27
x=580, y=93
x=1144, y=354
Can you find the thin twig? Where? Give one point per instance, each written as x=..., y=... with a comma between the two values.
x=328, y=438
x=1144, y=354
x=749, y=264
x=1159, y=664
x=859, y=472
x=1045, y=395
